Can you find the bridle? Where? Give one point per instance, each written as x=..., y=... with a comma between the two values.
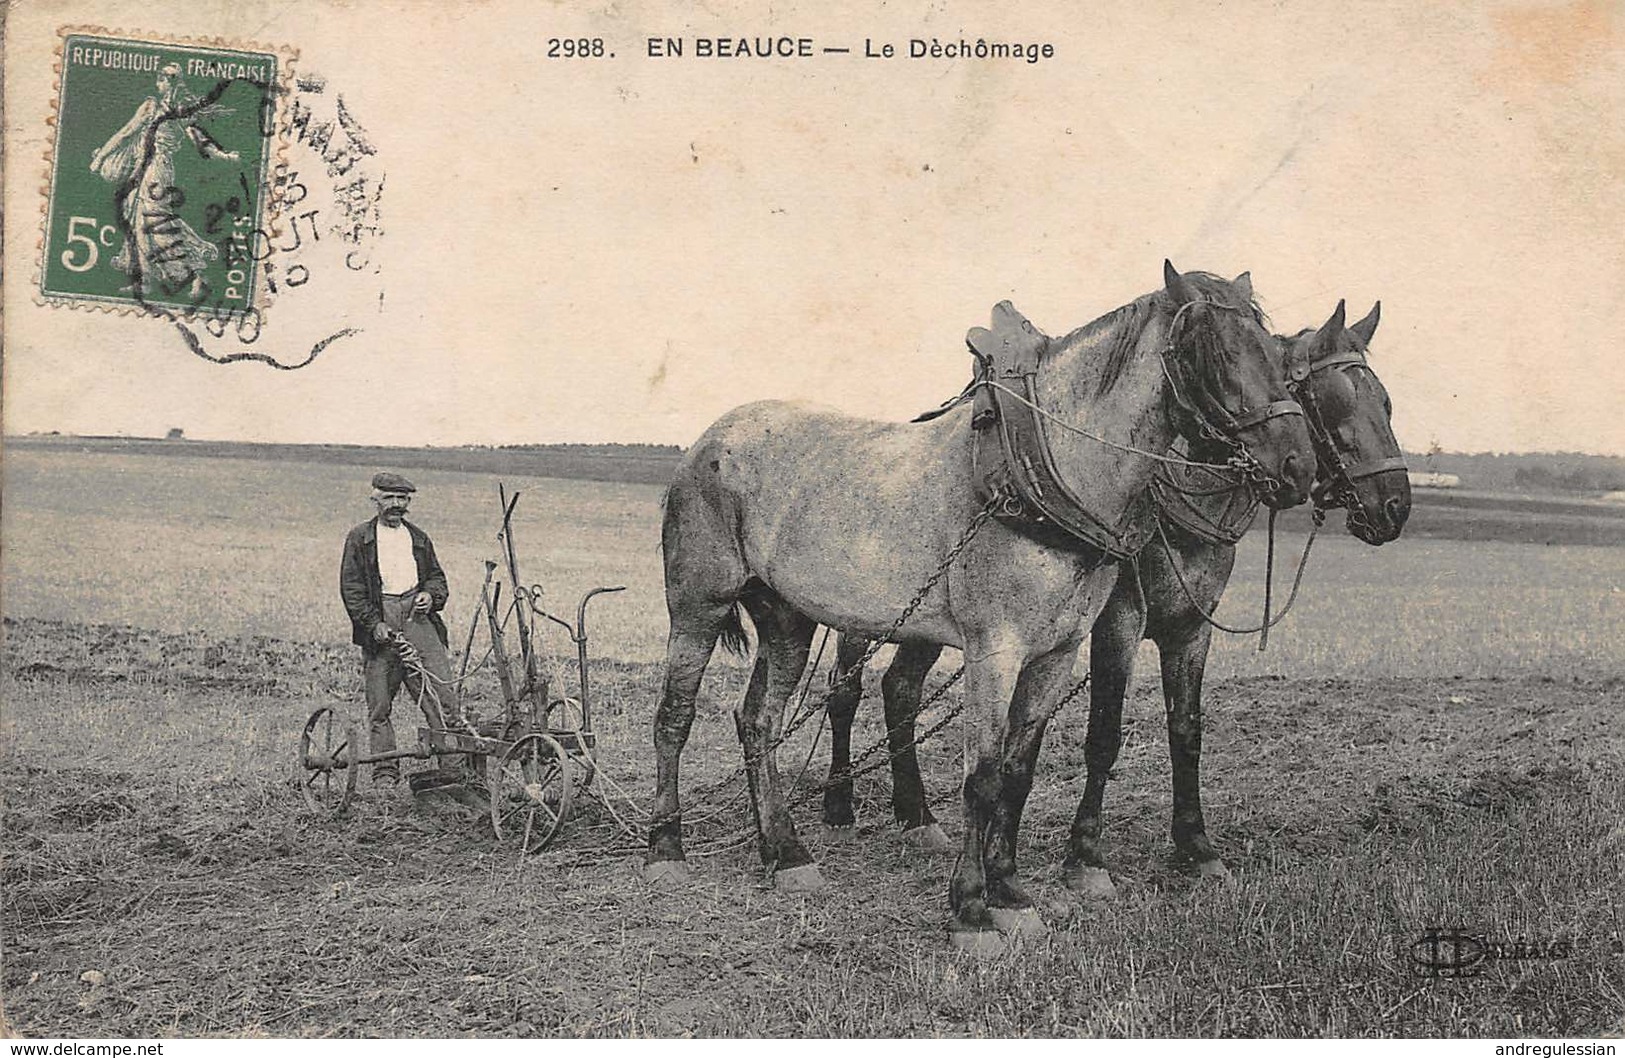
x=1227, y=433
x=1334, y=478
x=1334, y=487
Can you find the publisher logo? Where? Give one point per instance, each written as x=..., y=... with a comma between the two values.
x=1456, y=951
x=1448, y=951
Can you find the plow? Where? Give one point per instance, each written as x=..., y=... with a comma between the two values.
x=531, y=762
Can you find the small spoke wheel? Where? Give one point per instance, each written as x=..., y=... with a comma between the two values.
x=532, y=788
x=327, y=756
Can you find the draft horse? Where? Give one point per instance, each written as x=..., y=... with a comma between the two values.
x=1166, y=593
x=799, y=515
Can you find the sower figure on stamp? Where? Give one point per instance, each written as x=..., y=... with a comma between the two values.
x=160, y=249
x=392, y=583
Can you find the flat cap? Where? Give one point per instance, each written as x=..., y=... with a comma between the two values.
x=387, y=482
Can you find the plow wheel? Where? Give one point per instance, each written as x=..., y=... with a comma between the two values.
x=532, y=787
x=565, y=714
x=327, y=755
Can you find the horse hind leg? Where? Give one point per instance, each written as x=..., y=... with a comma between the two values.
x=705, y=574
x=1113, y=642
x=902, y=686
x=784, y=637
x=688, y=652
x=845, y=694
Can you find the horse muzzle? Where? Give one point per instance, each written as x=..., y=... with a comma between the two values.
x=1280, y=426
x=1381, y=503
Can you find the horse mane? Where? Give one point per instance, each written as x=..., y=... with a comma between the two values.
x=1126, y=319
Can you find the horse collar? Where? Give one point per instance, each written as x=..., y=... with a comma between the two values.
x=1024, y=475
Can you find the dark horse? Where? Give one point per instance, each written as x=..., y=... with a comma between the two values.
x=1359, y=467
x=801, y=515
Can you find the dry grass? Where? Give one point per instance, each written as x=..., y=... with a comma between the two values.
x=153, y=833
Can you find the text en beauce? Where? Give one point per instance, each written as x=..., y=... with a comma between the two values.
x=732, y=47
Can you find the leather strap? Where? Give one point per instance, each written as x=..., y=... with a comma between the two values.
x=1372, y=467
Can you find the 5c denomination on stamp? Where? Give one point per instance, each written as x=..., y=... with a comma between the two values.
x=157, y=193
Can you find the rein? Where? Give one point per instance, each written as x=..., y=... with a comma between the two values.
x=1081, y=432
x=1335, y=489
x=1268, y=621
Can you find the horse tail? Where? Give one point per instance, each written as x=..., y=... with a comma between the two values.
x=733, y=638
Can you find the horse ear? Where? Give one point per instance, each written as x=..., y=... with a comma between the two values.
x=1328, y=332
x=1178, y=288
x=1244, y=284
x=1368, y=326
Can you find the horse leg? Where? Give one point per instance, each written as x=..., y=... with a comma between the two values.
x=990, y=680
x=688, y=651
x=901, y=688
x=1175, y=622
x=846, y=691
x=1184, y=660
x=1041, y=684
x=1112, y=645
x=784, y=638
x=705, y=572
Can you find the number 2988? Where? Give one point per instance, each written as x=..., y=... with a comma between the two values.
x=577, y=48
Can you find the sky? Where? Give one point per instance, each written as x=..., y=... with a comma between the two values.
x=622, y=249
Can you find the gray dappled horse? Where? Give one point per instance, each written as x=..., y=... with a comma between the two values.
x=801, y=515
x=1359, y=467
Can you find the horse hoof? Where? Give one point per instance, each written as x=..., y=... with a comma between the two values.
x=981, y=943
x=1216, y=871
x=928, y=838
x=838, y=834
x=1092, y=883
x=804, y=879
x=1019, y=923
x=667, y=873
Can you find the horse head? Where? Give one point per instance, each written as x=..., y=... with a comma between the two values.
x=1360, y=466
x=1227, y=383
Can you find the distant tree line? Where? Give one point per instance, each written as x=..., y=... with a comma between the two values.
x=1535, y=472
x=1527, y=471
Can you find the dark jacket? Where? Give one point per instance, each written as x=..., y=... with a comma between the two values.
x=363, y=592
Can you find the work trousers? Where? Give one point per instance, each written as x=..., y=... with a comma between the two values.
x=384, y=672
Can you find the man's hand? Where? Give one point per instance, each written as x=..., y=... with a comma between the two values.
x=380, y=633
x=421, y=604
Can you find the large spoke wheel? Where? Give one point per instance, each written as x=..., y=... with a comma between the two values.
x=532, y=788
x=565, y=715
x=327, y=757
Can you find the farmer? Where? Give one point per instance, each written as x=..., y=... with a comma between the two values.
x=393, y=586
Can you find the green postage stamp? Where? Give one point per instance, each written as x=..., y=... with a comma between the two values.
x=158, y=169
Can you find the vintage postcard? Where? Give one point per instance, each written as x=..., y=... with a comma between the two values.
x=812, y=520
